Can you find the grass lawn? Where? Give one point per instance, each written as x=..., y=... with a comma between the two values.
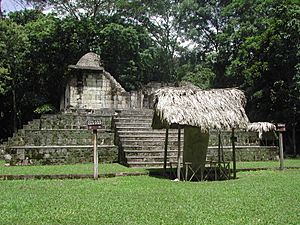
x=261, y=197
x=86, y=168
x=268, y=164
x=115, y=167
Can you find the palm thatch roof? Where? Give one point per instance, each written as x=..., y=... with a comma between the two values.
x=90, y=61
x=207, y=109
x=261, y=127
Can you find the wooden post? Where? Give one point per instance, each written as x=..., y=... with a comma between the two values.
x=219, y=149
x=94, y=125
x=281, y=151
x=233, y=153
x=179, y=153
x=96, y=172
x=186, y=171
x=166, y=151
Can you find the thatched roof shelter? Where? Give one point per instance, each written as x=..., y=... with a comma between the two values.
x=261, y=127
x=208, y=109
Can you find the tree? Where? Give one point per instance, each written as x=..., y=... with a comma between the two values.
x=13, y=48
x=158, y=17
x=77, y=9
x=266, y=55
x=204, y=23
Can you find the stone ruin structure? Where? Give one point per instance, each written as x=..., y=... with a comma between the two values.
x=127, y=137
x=91, y=87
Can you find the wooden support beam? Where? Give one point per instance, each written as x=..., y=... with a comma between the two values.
x=219, y=148
x=166, y=150
x=233, y=139
x=281, y=160
x=179, y=153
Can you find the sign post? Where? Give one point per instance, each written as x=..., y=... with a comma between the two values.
x=94, y=126
x=281, y=129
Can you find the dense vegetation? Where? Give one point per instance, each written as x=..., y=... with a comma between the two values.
x=264, y=197
x=253, y=45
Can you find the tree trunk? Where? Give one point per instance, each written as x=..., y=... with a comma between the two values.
x=1, y=13
x=294, y=140
x=14, y=111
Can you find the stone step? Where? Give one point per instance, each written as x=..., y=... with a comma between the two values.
x=53, y=147
x=136, y=114
x=132, y=124
x=61, y=154
x=149, y=147
x=149, y=164
x=131, y=112
x=150, y=134
x=140, y=119
x=142, y=159
x=150, y=137
x=34, y=124
x=157, y=137
x=160, y=131
x=67, y=121
x=131, y=128
x=64, y=137
x=149, y=153
x=149, y=142
x=89, y=113
x=68, y=141
x=61, y=121
x=145, y=132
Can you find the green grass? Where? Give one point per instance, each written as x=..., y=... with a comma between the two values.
x=268, y=164
x=262, y=197
x=86, y=168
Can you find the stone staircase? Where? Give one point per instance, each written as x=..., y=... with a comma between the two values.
x=139, y=144
x=142, y=146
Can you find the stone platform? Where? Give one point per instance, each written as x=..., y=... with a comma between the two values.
x=126, y=137
x=62, y=139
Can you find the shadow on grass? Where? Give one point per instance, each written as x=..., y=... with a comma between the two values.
x=171, y=174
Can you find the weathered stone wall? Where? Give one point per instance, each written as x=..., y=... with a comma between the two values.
x=61, y=154
x=94, y=90
x=243, y=138
x=61, y=139
x=247, y=147
x=246, y=153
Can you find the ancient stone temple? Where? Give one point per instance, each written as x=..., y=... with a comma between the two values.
x=92, y=93
x=91, y=87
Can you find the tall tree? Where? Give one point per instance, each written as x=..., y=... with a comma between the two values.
x=158, y=17
x=76, y=9
x=264, y=61
x=13, y=48
x=203, y=22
